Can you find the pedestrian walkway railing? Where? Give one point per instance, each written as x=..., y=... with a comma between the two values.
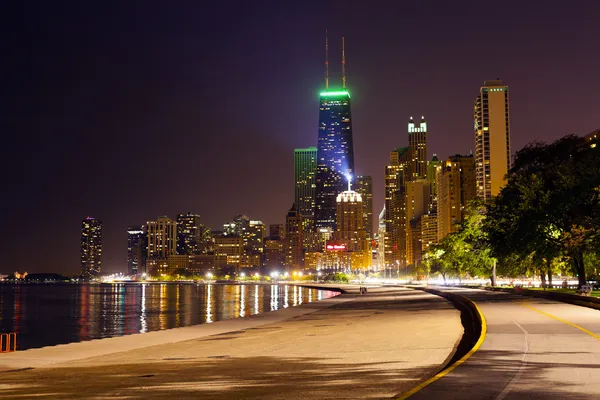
x=8, y=342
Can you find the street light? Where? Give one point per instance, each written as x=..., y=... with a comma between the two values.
x=398, y=269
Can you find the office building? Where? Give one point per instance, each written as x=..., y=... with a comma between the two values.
x=162, y=237
x=254, y=236
x=417, y=143
x=136, y=250
x=305, y=168
x=350, y=233
x=274, y=252
x=293, y=238
x=492, y=139
x=228, y=251
x=190, y=234
x=396, y=177
x=91, y=248
x=364, y=186
x=456, y=187
x=335, y=149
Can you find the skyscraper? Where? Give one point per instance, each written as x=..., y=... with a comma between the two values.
x=305, y=168
x=364, y=186
x=293, y=237
x=335, y=149
x=350, y=232
x=91, y=247
x=136, y=250
x=492, y=138
x=189, y=234
x=455, y=187
x=162, y=238
x=417, y=143
x=396, y=178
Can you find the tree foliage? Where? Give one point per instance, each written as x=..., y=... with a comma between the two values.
x=550, y=207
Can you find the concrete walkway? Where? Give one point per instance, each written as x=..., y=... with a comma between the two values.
x=360, y=347
x=534, y=349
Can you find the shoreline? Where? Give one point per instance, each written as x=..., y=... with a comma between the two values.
x=377, y=345
x=52, y=354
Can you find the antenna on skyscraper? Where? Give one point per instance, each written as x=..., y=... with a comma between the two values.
x=343, y=65
x=326, y=61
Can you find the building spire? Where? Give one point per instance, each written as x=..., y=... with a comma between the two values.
x=343, y=65
x=326, y=61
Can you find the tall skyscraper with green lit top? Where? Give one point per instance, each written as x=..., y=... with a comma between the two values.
x=335, y=155
x=335, y=150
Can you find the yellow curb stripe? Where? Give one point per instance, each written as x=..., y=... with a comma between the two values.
x=451, y=368
x=592, y=334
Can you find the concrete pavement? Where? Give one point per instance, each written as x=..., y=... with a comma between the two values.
x=359, y=347
x=534, y=349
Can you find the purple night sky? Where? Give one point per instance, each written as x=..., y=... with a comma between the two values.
x=127, y=110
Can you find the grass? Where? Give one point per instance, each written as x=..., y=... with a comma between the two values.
x=595, y=293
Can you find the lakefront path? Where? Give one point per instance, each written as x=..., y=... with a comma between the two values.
x=352, y=346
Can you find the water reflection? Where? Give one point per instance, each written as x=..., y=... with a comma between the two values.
x=90, y=311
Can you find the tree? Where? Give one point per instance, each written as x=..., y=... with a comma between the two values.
x=550, y=206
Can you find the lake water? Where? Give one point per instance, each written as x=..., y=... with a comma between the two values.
x=44, y=314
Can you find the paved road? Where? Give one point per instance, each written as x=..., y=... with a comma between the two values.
x=355, y=347
x=534, y=349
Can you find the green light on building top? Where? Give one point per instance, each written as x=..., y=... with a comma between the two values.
x=333, y=94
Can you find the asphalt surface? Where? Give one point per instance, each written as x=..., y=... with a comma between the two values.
x=534, y=349
x=372, y=346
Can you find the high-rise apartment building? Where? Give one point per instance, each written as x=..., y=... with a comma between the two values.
x=293, y=237
x=396, y=177
x=364, y=186
x=190, y=234
x=305, y=169
x=136, y=250
x=417, y=204
x=456, y=187
x=417, y=143
x=254, y=237
x=162, y=238
x=492, y=138
x=91, y=247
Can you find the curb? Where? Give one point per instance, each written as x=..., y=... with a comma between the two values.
x=475, y=326
x=562, y=297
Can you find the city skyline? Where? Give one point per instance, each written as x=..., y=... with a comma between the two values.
x=117, y=132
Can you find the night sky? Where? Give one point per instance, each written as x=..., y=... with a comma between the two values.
x=128, y=110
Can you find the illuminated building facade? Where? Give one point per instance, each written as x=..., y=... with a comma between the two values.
x=456, y=187
x=254, y=237
x=228, y=251
x=274, y=252
x=350, y=234
x=396, y=177
x=91, y=247
x=293, y=239
x=335, y=154
x=364, y=186
x=136, y=250
x=190, y=234
x=162, y=237
x=492, y=138
x=417, y=143
x=305, y=168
